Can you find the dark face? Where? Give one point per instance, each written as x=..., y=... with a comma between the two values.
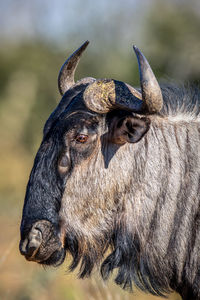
x=70, y=140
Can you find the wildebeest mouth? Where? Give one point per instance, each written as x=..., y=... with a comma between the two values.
x=42, y=244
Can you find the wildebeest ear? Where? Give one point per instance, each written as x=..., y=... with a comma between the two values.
x=129, y=129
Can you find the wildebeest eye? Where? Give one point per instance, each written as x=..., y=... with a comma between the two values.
x=82, y=138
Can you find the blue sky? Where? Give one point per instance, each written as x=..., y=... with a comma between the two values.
x=74, y=21
x=64, y=19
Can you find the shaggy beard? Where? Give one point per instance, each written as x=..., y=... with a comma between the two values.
x=89, y=253
x=125, y=256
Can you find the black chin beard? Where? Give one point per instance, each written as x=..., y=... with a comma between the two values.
x=132, y=265
x=88, y=254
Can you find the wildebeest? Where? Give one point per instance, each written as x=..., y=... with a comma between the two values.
x=118, y=170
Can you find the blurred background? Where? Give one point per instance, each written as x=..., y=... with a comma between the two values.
x=35, y=39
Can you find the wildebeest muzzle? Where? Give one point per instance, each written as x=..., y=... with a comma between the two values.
x=43, y=244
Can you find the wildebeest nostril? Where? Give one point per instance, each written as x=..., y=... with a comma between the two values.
x=22, y=246
x=31, y=244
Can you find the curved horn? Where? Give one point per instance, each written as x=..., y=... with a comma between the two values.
x=104, y=95
x=151, y=92
x=66, y=75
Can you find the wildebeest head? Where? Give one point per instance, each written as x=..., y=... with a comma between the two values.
x=78, y=185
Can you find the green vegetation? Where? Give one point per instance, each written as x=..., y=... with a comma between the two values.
x=28, y=94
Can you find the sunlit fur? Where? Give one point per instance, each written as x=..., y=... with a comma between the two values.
x=142, y=200
x=137, y=201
